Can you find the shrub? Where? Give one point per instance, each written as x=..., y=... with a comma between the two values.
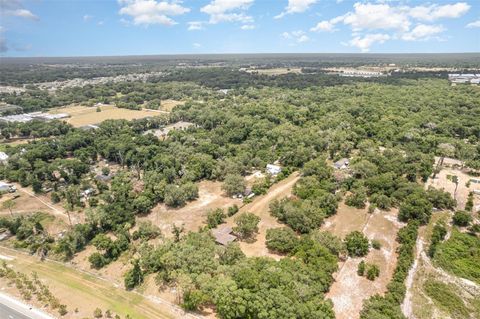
x=361, y=268
x=134, y=276
x=282, y=240
x=97, y=260
x=438, y=234
x=97, y=313
x=462, y=218
x=233, y=184
x=372, y=272
x=215, y=217
x=357, y=244
x=376, y=244
x=232, y=210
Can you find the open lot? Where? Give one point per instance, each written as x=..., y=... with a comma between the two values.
x=380, y=225
x=194, y=214
x=443, y=181
x=168, y=105
x=260, y=207
x=83, y=115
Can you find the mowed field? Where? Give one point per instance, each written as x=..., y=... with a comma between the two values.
x=85, y=292
x=83, y=115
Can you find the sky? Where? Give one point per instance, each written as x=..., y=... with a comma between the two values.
x=144, y=27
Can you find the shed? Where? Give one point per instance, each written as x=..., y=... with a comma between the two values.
x=223, y=235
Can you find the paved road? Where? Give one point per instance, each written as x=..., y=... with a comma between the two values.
x=9, y=313
x=11, y=308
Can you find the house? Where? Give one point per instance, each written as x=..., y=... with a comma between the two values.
x=475, y=180
x=7, y=188
x=3, y=157
x=163, y=132
x=476, y=191
x=223, y=235
x=273, y=169
x=342, y=163
x=86, y=193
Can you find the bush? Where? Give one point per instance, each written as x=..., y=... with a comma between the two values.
x=438, y=234
x=356, y=244
x=134, y=276
x=376, y=244
x=146, y=231
x=193, y=299
x=372, y=271
x=215, y=217
x=415, y=207
x=282, y=240
x=357, y=198
x=232, y=210
x=62, y=310
x=462, y=218
x=247, y=225
x=361, y=268
x=97, y=313
x=97, y=260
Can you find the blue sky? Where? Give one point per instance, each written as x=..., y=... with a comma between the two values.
x=137, y=27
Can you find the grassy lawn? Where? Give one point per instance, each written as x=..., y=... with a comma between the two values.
x=86, y=292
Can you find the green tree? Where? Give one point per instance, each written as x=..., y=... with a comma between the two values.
x=233, y=184
x=356, y=244
x=134, y=276
x=9, y=204
x=282, y=240
x=246, y=225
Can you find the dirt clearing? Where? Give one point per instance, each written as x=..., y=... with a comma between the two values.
x=83, y=115
x=260, y=207
x=194, y=214
x=382, y=226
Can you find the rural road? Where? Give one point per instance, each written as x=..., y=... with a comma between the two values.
x=11, y=308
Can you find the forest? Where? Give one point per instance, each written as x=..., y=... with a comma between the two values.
x=390, y=128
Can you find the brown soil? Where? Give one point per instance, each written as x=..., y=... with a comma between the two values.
x=380, y=225
x=193, y=215
x=260, y=207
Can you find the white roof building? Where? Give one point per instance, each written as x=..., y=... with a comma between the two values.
x=273, y=169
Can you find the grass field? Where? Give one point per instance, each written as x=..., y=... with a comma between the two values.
x=83, y=115
x=275, y=71
x=86, y=292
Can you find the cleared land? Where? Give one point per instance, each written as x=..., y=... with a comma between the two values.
x=83, y=115
x=380, y=225
x=86, y=292
x=168, y=105
x=260, y=207
x=194, y=214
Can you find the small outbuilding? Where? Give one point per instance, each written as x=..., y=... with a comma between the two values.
x=223, y=235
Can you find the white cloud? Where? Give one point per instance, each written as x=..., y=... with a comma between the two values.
x=228, y=11
x=325, y=26
x=298, y=36
x=434, y=12
x=368, y=40
x=15, y=8
x=195, y=25
x=422, y=32
x=87, y=17
x=474, y=24
x=247, y=27
x=197, y=45
x=296, y=6
x=100, y=23
x=395, y=21
x=376, y=16
x=146, y=12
